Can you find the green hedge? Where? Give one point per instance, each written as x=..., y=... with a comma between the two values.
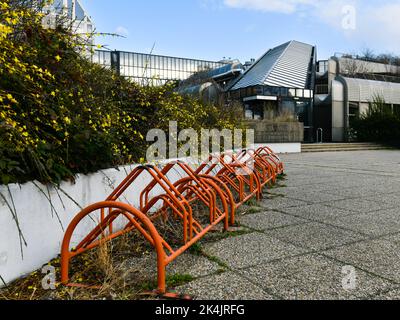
x=61, y=115
x=378, y=124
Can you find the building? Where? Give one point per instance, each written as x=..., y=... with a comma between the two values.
x=345, y=86
x=70, y=12
x=279, y=85
x=153, y=69
x=287, y=94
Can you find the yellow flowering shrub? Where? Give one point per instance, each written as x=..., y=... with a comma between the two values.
x=60, y=114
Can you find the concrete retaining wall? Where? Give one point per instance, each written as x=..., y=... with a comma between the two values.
x=267, y=131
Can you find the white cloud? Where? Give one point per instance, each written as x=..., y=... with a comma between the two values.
x=122, y=31
x=288, y=6
x=381, y=25
x=211, y=4
x=377, y=23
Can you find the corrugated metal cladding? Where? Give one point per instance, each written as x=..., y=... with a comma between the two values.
x=284, y=66
x=361, y=90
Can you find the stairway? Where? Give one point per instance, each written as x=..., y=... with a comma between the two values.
x=335, y=147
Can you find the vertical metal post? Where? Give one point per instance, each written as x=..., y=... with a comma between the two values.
x=116, y=61
x=320, y=134
x=73, y=10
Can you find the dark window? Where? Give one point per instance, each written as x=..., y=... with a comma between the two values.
x=302, y=112
x=284, y=92
x=271, y=91
x=396, y=109
x=322, y=89
x=254, y=112
x=354, y=112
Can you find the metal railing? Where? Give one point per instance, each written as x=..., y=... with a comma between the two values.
x=320, y=135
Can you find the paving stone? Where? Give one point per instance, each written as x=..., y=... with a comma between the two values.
x=363, y=192
x=373, y=223
x=225, y=286
x=395, y=238
x=280, y=203
x=389, y=295
x=269, y=220
x=315, y=236
x=286, y=191
x=251, y=249
x=318, y=212
x=311, y=196
x=392, y=199
x=381, y=257
x=314, y=277
x=359, y=205
x=196, y=266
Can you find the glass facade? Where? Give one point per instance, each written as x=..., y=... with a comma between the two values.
x=152, y=69
x=271, y=103
x=271, y=91
x=322, y=66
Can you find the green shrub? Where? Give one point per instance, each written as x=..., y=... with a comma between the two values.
x=60, y=114
x=378, y=124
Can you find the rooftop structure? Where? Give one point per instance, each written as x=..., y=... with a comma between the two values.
x=69, y=12
x=287, y=65
x=154, y=69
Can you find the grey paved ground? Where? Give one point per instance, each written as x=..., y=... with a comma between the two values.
x=335, y=212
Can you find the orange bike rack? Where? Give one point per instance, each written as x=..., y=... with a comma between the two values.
x=203, y=188
x=267, y=170
x=211, y=184
x=235, y=174
x=273, y=158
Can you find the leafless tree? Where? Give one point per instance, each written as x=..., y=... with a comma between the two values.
x=353, y=67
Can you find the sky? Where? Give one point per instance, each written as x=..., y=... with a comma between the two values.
x=245, y=29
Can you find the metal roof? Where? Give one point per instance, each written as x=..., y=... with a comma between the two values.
x=284, y=66
x=361, y=90
x=235, y=67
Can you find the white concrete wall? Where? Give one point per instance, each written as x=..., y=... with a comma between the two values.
x=40, y=225
x=38, y=222
x=338, y=124
x=282, y=147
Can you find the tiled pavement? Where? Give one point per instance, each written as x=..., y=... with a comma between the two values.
x=335, y=211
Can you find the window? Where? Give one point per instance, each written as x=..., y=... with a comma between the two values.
x=254, y=112
x=323, y=66
x=396, y=109
x=322, y=89
x=302, y=112
x=288, y=106
x=259, y=90
x=354, y=112
x=248, y=112
x=299, y=93
x=271, y=91
x=307, y=93
x=284, y=92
